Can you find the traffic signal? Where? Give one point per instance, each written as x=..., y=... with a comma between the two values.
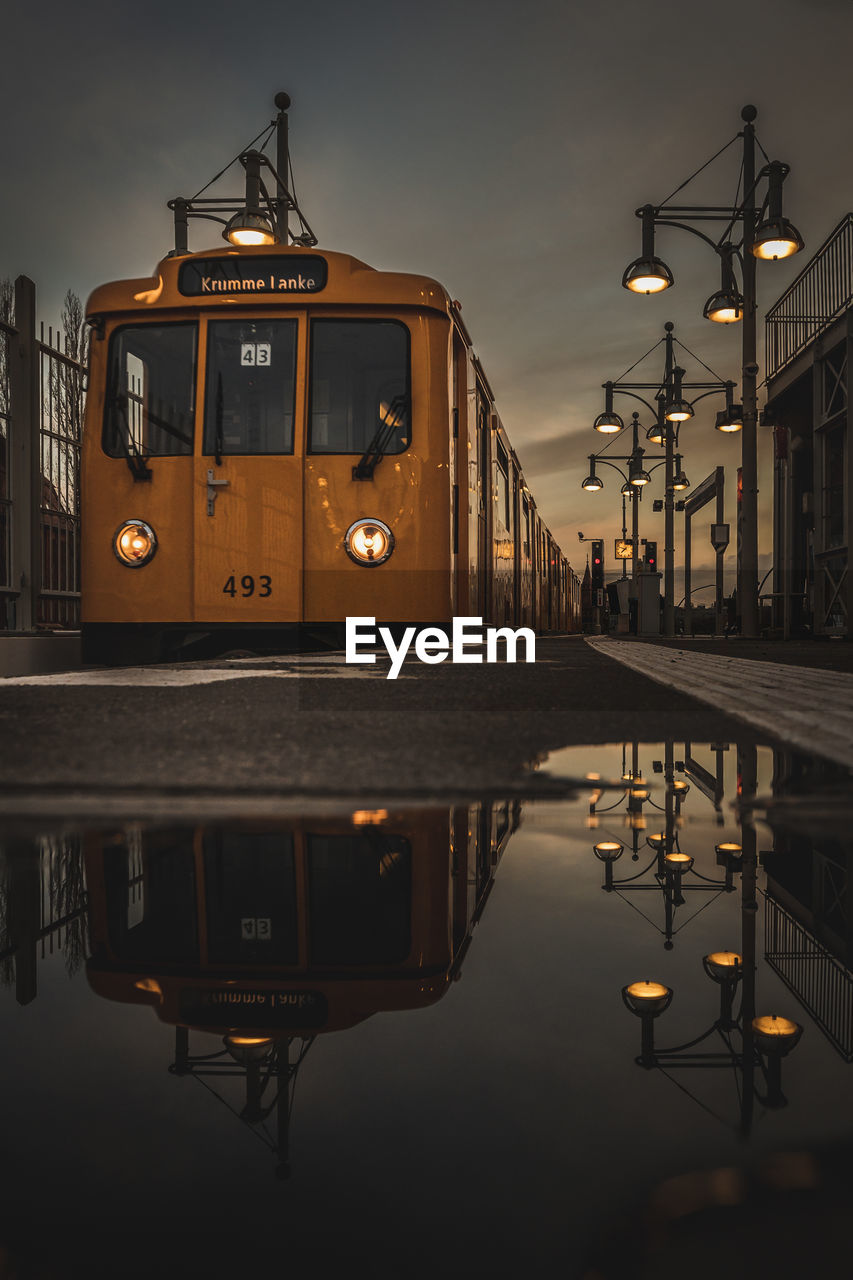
x=651, y=555
x=597, y=567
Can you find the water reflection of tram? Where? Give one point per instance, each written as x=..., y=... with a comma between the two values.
x=294, y=928
x=269, y=935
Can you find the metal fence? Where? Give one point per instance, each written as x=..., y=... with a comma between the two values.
x=42, y=390
x=820, y=982
x=820, y=293
x=60, y=433
x=43, y=905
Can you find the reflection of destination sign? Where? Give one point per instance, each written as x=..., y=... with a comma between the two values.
x=237, y=1007
x=246, y=276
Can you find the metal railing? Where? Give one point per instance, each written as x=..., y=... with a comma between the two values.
x=43, y=909
x=42, y=390
x=820, y=982
x=820, y=293
x=60, y=434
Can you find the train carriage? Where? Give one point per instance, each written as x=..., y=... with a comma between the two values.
x=277, y=439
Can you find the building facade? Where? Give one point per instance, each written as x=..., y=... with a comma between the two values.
x=809, y=336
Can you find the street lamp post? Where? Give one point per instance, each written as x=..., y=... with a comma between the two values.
x=634, y=480
x=773, y=238
x=670, y=410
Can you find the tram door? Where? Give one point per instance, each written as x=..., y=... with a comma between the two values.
x=248, y=476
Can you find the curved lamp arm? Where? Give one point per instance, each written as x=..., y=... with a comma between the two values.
x=671, y=222
x=633, y=396
x=608, y=463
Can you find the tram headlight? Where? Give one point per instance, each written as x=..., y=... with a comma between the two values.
x=135, y=543
x=369, y=542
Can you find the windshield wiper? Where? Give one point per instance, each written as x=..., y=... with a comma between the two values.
x=133, y=455
x=396, y=415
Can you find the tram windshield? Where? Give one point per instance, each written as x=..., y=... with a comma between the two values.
x=242, y=901
x=150, y=403
x=359, y=386
x=251, y=386
x=360, y=889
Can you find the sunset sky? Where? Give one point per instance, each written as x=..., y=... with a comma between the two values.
x=501, y=148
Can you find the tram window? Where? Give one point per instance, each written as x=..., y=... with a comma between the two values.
x=250, y=892
x=360, y=386
x=360, y=890
x=483, y=449
x=251, y=385
x=503, y=485
x=150, y=893
x=150, y=401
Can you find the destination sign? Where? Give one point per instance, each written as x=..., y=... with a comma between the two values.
x=234, y=1006
x=242, y=277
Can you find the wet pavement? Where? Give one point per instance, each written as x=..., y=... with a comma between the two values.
x=310, y=726
x=308, y=967
x=393, y=1037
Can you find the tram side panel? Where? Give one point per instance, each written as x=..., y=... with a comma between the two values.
x=482, y=515
x=467, y=587
x=502, y=543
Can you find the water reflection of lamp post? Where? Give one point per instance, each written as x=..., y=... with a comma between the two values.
x=765, y=1039
x=264, y=1063
x=770, y=1038
x=669, y=865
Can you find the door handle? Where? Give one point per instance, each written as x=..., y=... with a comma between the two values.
x=212, y=485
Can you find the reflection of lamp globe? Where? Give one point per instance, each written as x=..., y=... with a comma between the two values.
x=776, y=1036
x=729, y=854
x=608, y=850
x=246, y=1049
x=723, y=966
x=647, y=999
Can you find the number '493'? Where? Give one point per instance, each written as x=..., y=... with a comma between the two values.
x=246, y=586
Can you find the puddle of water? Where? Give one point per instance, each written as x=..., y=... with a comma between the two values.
x=403, y=1034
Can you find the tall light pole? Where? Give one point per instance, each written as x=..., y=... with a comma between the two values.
x=634, y=479
x=671, y=408
x=772, y=238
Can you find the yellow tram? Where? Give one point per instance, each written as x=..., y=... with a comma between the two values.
x=279, y=438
